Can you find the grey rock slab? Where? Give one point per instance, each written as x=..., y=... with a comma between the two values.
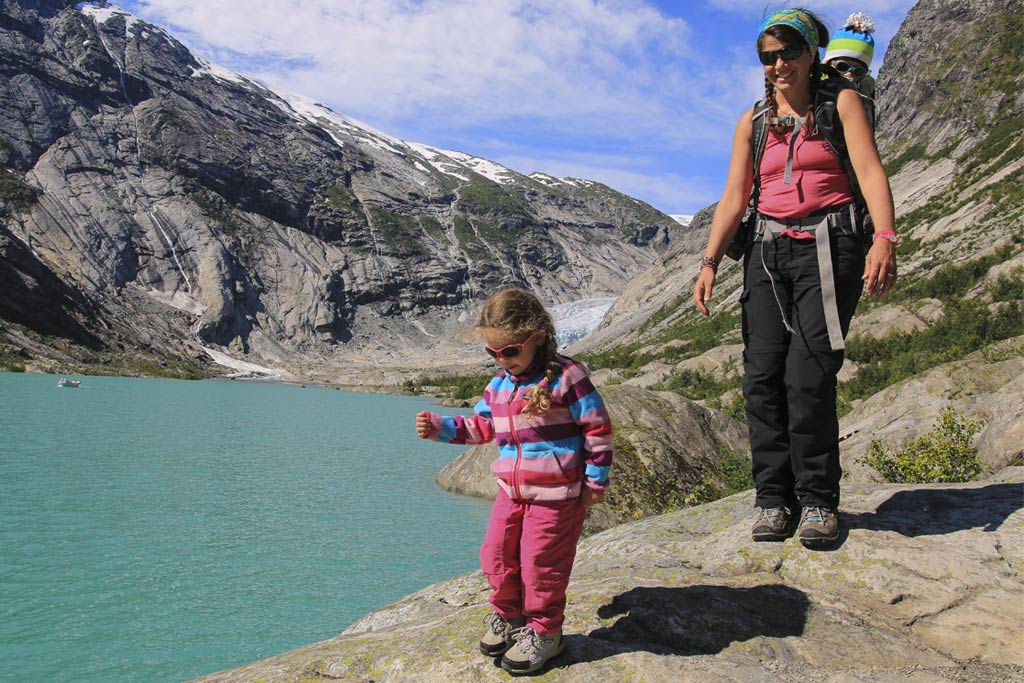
x=918, y=589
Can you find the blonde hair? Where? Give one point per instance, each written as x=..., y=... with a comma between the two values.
x=519, y=312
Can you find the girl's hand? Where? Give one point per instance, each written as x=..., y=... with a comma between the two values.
x=423, y=424
x=703, y=289
x=880, y=268
x=591, y=496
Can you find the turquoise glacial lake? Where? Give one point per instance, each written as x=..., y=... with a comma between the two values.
x=159, y=530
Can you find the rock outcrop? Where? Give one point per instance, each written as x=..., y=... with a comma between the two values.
x=986, y=386
x=924, y=585
x=666, y=448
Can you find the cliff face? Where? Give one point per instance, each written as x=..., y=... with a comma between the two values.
x=261, y=221
x=951, y=73
x=918, y=589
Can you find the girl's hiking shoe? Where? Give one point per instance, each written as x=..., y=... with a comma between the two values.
x=819, y=527
x=531, y=651
x=498, y=636
x=773, y=524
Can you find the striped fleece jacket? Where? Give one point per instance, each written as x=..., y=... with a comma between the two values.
x=540, y=457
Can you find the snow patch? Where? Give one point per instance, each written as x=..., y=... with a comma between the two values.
x=419, y=326
x=485, y=167
x=450, y=163
x=308, y=109
x=577, y=319
x=545, y=179
x=682, y=218
x=578, y=182
x=102, y=15
x=216, y=71
x=243, y=367
x=438, y=159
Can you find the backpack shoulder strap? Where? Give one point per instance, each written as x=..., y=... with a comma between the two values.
x=826, y=113
x=758, y=138
x=830, y=125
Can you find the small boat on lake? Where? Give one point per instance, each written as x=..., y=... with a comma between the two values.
x=66, y=383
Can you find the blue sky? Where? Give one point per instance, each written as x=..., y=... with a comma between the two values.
x=640, y=94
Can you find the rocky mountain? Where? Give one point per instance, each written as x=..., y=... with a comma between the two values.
x=918, y=590
x=153, y=203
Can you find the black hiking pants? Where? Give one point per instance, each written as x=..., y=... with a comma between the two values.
x=789, y=379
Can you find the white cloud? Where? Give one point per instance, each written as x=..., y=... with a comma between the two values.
x=823, y=8
x=468, y=61
x=505, y=79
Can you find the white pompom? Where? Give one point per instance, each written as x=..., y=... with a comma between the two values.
x=860, y=22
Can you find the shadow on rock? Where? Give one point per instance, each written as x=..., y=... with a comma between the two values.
x=928, y=512
x=695, y=620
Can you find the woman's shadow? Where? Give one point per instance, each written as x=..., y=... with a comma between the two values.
x=692, y=620
x=935, y=511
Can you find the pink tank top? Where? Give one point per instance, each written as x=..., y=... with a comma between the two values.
x=818, y=180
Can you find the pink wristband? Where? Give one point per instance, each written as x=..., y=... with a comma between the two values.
x=887, y=235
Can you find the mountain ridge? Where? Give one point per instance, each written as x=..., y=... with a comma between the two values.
x=272, y=227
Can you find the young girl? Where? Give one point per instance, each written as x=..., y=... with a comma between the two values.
x=554, y=455
x=804, y=272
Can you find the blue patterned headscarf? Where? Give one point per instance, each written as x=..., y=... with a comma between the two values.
x=793, y=18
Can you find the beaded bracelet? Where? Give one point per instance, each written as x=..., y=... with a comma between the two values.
x=709, y=262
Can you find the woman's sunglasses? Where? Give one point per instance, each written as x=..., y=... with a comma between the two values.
x=846, y=67
x=788, y=54
x=510, y=350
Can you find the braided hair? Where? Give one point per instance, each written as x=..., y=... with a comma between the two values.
x=519, y=312
x=790, y=36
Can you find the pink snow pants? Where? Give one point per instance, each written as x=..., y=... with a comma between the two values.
x=527, y=556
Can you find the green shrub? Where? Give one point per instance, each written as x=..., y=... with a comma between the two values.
x=458, y=387
x=698, y=333
x=734, y=472
x=911, y=153
x=16, y=192
x=736, y=409
x=735, y=469
x=483, y=196
x=967, y=326
x=698, y=384
x=944, y=454
x=1008, y=287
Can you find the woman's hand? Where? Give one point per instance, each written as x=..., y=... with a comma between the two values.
x=591, y=496
x=703, y=289
x=423, y=424
x=880, y=268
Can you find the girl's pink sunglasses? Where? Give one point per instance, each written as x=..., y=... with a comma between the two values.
x=510, y=350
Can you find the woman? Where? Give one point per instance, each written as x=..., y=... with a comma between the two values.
x=804, y=270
